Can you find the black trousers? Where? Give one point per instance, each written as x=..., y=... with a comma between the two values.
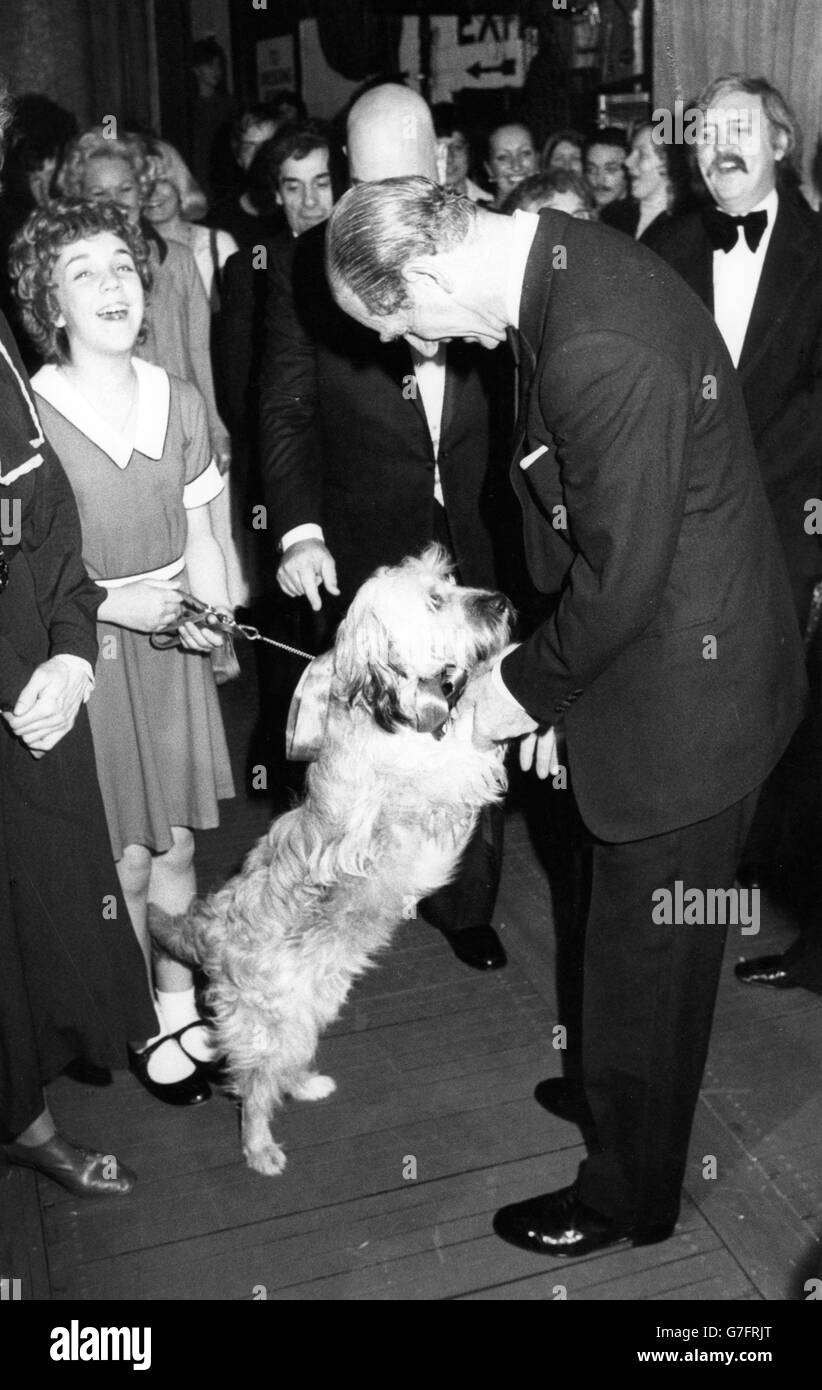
x=470, y=900
x=647, y=1006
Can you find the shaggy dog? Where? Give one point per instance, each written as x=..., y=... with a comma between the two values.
x=390, y=804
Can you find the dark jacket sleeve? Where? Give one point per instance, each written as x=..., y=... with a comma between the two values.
x=49, y=539
x=67, y=600
x=793, y=434
x=624, y=484
x=290, y=443
x=14, y=673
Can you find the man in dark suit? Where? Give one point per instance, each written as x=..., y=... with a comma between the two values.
x=761, y=277
x=669, y=660
x=368, y=454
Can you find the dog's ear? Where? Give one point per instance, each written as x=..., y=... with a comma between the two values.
x=364, y=670
x=379, y=692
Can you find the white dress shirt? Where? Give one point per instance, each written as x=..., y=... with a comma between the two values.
x=430, y=374
x=525, y=229
x=736, y=275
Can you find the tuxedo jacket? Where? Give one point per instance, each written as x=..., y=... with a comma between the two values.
x=780, y=368
x=343, y=437
x=671, y=653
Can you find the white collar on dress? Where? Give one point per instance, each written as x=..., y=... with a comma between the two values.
x=153, y=401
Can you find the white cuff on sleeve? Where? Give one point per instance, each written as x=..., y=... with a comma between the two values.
x=496, y=676
x=309, y=531
x=204, y=488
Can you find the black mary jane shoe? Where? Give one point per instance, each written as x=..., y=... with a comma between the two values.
x=559, y=1224
x=213, y=1070
x=192, y=1090
x=82, y=1172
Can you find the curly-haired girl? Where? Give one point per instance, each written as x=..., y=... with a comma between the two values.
x=134, y=443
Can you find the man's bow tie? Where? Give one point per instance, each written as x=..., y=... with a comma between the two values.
x=722, y=229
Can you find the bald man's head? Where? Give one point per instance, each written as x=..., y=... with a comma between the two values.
x=390, y=134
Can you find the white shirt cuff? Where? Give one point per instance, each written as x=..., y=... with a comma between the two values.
x=496, y=676
x=204, y=488
x=309, y=531
x=84, y=666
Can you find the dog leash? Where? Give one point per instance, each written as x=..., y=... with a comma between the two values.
x=205, y=615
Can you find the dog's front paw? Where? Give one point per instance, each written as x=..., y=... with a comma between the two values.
x=314, y=1087
x=269, y=1161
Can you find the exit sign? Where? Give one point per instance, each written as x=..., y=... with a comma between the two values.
x=475, y=51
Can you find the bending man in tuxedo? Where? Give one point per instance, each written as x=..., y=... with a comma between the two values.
x=754, y=257
x=369, y=452
x=670, y=657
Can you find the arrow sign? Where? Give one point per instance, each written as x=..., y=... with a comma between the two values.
x=507, y=68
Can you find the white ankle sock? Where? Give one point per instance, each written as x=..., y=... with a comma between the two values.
x=168, y=1063
x=178, y=1008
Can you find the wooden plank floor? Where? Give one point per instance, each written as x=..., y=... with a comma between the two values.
x=391, y=1184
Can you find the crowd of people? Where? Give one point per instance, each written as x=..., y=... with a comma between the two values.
x=242, y=339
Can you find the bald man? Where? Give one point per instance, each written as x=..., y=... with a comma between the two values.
x=388, y=128
x=368, y=452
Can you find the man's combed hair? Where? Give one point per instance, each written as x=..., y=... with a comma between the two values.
x=36, y=249
x=538, y=188
x=781, y=118
x=377, y=228
x=295, y=140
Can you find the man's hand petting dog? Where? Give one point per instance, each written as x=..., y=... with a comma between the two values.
x=489, y=715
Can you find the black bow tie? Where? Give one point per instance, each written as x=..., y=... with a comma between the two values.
x=722, y=229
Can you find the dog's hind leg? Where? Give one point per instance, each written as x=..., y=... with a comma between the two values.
x=312, y=1086
x=260, y=1095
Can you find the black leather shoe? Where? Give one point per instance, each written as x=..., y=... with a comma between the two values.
x=479, y=947
x=564, y=1098
x=81, y=1171
x=559, y=1224
x=766, y=970
x=192, y=1090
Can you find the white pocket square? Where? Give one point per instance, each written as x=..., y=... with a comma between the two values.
x=531, y=458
